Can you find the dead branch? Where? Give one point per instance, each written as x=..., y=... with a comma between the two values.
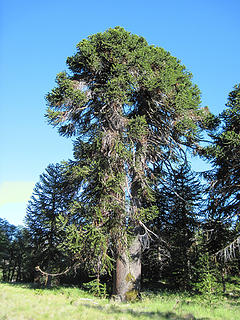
x=37, y=268
x=229, y=252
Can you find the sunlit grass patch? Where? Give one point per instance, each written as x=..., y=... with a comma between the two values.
x=21, y=302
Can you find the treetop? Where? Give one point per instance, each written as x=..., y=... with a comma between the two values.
x=116, y=71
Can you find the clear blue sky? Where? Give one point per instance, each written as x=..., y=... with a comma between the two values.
x=36, y=37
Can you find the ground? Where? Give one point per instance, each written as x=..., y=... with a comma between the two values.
x=23, y=302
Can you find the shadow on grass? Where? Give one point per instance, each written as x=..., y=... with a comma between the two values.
x=36, y=286
x=158, y=315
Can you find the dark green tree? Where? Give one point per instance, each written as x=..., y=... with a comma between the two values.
x=14, y=252
x=20, y=255
x=6, y=232
x=224, y=179
x=179, y=203
x=131, y=106
x=51, y=197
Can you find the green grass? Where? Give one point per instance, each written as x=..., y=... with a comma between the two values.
x=21, y=302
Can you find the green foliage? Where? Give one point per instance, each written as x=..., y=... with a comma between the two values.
x=51, y=198
x=148, y=214
x=207, y=283
x=15, y=253
x=84, y=241
x=118, y=66
x=224, y=178
x=138, y=127
x=172, y=256
x=97, y=288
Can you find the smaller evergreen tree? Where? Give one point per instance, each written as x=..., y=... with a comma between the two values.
x=6, y=231
x=14, y=252
x=178, y=201
x=224, y=179
x=50, y=199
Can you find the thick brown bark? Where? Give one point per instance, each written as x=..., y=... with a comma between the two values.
x=127, y=280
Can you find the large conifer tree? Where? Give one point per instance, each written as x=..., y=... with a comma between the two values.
x=131, y=106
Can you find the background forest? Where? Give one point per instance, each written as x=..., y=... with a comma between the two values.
x=137, y=125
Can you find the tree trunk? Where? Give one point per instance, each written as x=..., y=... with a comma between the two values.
x=19, y=277
x=4, y=272
x=223, y=280
x=13, y=273
x=127, y=280
x=48, y=281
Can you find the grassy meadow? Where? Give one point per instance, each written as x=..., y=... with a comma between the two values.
x=22, y=302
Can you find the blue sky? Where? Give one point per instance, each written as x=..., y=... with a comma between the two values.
x=36, y=37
